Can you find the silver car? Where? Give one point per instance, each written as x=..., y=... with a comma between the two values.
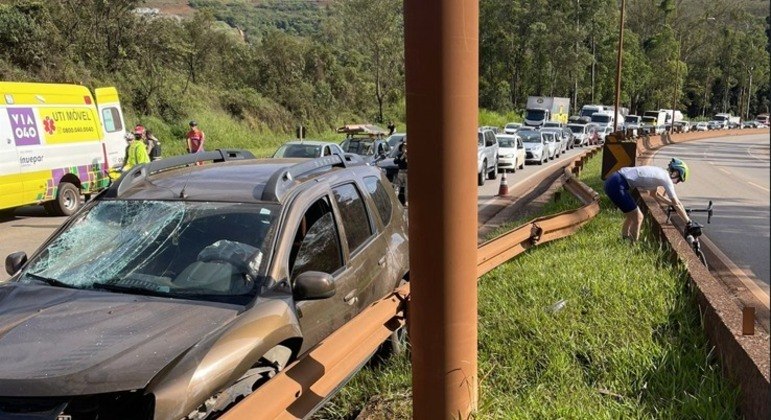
x=536, y=149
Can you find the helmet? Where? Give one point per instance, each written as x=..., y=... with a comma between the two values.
x=139, y=129
x=680, y=167
x=193, y=123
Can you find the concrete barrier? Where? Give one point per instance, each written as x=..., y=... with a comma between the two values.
x=744, y=359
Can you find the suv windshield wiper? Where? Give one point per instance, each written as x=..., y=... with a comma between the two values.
x=50, y=281
x=131, y=290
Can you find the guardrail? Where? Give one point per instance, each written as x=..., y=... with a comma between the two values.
x=301, y=388
x=744, y=358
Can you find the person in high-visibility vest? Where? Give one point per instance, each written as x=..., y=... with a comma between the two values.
x=136, y=153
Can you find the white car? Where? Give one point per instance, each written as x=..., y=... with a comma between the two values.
x=603, y=132
x=512, y=127
x=552, y=144
x=536, y=149
x=307, y=149
x=701, y=126
x=511, y=152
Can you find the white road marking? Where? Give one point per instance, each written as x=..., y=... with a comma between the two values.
x=724, y=170
x=756, y=185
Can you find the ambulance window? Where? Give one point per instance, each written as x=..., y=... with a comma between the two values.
x=111, y=119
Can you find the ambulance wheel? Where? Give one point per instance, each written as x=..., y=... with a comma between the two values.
x=67, y=200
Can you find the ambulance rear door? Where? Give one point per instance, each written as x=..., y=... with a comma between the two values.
x=113, y=126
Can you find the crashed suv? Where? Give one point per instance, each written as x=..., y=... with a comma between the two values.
x=183, y=287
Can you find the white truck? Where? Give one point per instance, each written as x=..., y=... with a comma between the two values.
x=540, y=109
x=726, y=120
x=653, y=122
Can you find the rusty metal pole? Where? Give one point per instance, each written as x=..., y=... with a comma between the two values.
x=442, y=84
x=617, y=102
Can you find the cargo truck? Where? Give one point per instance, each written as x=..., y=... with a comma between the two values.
x=726, y=120
x=540, y=109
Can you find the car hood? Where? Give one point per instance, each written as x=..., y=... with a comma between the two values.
x=387, y=163
x=529, y=146
x=57, y=341
x=507, y=150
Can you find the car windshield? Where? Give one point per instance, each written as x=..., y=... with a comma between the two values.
x=298, y=150
x=578, y=129
x=507, y=142
x=535, y=114
x=601, y=118
x=191, y=250
x=587, y=112
x=513, y=125
x=632, y=119
x=364, y=147
x=530, y=137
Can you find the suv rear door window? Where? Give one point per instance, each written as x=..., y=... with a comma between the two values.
x=353, y=214
x=380, y=197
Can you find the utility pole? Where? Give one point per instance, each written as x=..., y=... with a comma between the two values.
x=442, y=90
x=616, y=104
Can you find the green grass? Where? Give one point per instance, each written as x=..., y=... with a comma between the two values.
x=628, y=342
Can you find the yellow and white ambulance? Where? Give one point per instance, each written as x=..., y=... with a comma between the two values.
x=57, y=141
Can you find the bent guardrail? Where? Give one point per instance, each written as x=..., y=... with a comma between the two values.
x=301, y=388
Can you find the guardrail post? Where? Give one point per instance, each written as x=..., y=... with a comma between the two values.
x=442, y=74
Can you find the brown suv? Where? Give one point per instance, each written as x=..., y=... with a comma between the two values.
x=182, y=288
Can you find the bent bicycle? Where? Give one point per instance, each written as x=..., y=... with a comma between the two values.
x=693, y=229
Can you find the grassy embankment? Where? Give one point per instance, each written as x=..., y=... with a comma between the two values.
x=224, y=131
x=627, y=344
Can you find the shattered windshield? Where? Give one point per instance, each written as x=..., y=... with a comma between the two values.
x=194, y=250
x=364, y=147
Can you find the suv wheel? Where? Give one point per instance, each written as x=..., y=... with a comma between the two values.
x=481, y=176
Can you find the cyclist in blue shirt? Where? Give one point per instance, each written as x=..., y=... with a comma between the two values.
x=646, y=179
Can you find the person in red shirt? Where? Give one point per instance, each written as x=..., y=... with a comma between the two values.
x=195, y=138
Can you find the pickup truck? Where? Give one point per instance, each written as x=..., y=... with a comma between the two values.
x=487, y=155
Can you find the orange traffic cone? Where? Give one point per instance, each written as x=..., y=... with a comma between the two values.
x=504, y=188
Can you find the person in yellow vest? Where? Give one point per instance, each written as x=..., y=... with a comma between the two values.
x=136, y=153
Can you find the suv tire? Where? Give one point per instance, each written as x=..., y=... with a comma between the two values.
x=481, y=176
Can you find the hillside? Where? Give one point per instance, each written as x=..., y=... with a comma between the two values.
x=254, y=17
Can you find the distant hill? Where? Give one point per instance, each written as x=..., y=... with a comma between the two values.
x=254, y=17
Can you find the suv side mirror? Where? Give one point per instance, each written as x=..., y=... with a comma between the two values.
x=13, y=262
x=313, y=285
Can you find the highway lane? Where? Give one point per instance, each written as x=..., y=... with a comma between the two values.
x=25, y=229
x=733, y=172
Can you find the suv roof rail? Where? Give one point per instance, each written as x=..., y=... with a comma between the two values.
x=283, y=179
x=142, y=172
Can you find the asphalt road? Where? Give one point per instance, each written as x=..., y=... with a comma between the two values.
x=25, y=229
x=733, y=172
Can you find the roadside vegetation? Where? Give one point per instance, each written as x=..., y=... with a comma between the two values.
x=251, y=71
x=582, y=327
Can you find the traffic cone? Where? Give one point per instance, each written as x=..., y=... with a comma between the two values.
x=504, y=188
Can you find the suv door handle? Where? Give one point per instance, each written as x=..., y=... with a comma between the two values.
x=381, y=261
x=351, y=298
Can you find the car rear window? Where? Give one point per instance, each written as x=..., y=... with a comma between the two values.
x=380, y=197
x=353, y=214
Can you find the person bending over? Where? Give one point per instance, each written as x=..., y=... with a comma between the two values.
x=647, y=179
